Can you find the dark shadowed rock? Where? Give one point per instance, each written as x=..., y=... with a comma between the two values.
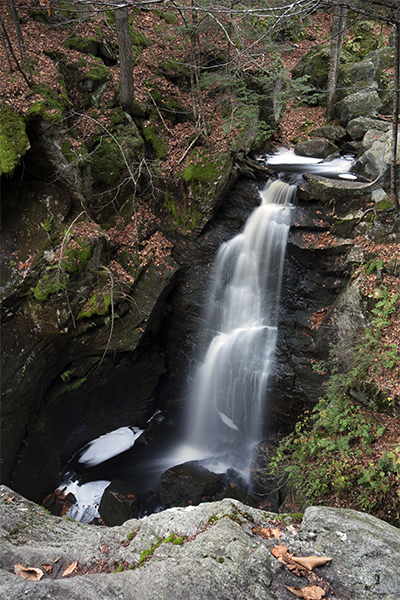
x=189, y=482
x=233, y=491
x=118, y=504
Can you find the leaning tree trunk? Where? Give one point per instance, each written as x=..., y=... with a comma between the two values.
x=338, y=27
x=395, y=124
x=125, y=58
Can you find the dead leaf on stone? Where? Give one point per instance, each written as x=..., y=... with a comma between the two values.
x=310, y=592
x=57, y=559
x=276, y=533
x=280, y=552
x=31, y=573
x=70, y=568
x=47, y=568
x=309, y=562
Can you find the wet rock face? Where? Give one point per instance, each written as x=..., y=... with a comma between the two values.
x=187, y=482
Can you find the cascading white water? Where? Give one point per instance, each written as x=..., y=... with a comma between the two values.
x=242, y=316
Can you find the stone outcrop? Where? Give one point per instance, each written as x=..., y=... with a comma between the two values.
x=212, y=551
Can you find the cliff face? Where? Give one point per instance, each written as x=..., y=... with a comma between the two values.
x=216, y=550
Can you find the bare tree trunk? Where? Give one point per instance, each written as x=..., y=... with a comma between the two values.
x=395, y=124
x=338, y=27
x=125, y=59
x=5, y=38
x=20, y=39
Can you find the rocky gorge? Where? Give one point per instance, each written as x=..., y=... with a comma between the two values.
x=89, y=314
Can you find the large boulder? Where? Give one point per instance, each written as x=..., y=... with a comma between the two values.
x=355, y=77
x=364, y=103
x=375, y=162
x=358, y=127
x=315, y=148
x=329, y=132
x=209, y=552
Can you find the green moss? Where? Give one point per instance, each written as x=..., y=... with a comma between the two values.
x=98, y=72
x=203, y=176
x=66, y=376
x=187, y=216
x=46, y=225
x=98, y=304
x=384, y=205
x=13, y=140
x=139, y=40
x=88, y=46
x=74, y=384
x=105, y=162
x=75, y=259
x=145, y=554
x=51, y=108
x=178, y=541
x=50, y=284
x=152, y=134
x=120, y=568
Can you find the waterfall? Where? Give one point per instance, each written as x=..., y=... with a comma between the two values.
x=228, y=399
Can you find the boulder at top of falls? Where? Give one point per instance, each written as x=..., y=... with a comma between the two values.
x=358, y=127
x=365, y=103
x=187, y=483
x=118, y=504
x=315, y=148
x=330, y=132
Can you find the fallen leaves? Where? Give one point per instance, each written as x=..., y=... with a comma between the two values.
x=309, y=592
x=267, y=532
x=309, y=562
x=36, y=574
x=302, y=567
x=70, y=568
x=30, y=573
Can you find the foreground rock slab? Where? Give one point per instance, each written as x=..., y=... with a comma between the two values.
x=212, y=551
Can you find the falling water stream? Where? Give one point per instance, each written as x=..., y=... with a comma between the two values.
x=229, y=398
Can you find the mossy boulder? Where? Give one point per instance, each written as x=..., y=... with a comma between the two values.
x=355, y=77
x=110, y=152
x=14, y=141
x=153, y=135
x=51, y=105
x=204, y=178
